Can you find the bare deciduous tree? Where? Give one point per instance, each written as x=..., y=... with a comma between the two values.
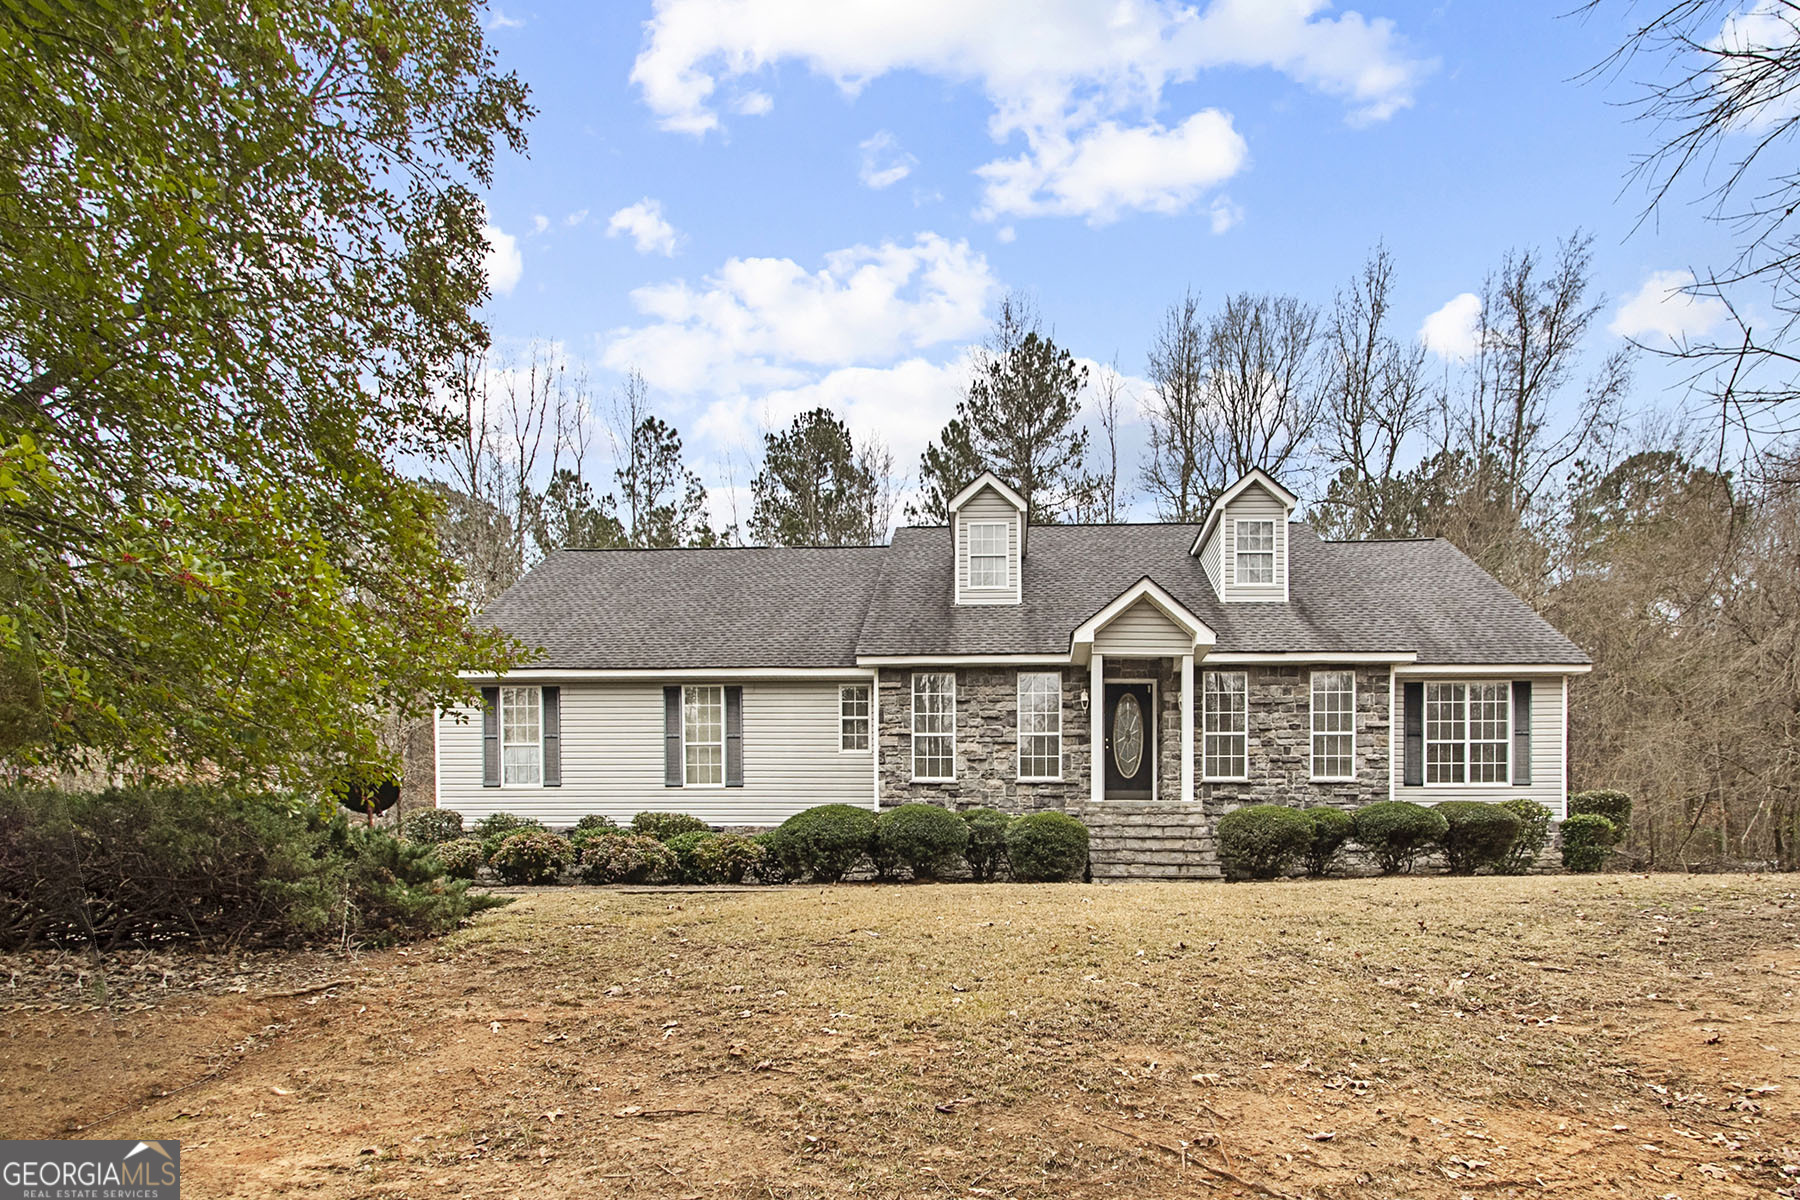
x=1177, y=413
x=1261, y=390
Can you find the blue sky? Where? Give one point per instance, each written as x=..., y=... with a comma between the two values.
x=771, y=204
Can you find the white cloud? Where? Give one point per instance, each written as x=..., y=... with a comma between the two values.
x=884, y=162
x=769, y=323
x=575, y=218
x=539, y=223
x=1224, y=214
x=1005, y=234
x=1112, y=169
x=1088, y=79
x=1664, y=307
x=1750, y=38
x=754, y=104
x=502, y=262
x=501, y=21
x=650, y=232
x=1453, y=330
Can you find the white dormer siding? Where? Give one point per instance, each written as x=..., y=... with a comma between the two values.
x=1243, y=547
x=985, y=523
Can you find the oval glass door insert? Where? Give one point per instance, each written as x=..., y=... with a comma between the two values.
x=1128, y=735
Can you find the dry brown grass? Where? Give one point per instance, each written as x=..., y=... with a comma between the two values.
x=1404, y=1037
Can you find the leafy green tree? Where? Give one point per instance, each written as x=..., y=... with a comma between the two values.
x=945, y=469
x=661, y=501
x=813, y=489
x=569, y=516
x=239, y=249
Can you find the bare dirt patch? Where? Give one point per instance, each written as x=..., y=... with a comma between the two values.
x=1412, y=1037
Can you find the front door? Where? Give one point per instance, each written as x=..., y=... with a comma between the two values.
x=1130, y=745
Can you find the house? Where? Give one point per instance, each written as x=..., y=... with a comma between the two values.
x=1242, y=660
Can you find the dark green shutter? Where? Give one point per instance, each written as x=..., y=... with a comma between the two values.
x=1521, y=715
x=552, y=736
x=734, y=737
x=672, y=737
x=490, y=737
x=1414, y=772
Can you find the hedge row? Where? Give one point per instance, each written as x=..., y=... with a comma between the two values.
x=1263, y=841
x=822, y=844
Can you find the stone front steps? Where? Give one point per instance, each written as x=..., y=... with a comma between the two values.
x=1149, y=840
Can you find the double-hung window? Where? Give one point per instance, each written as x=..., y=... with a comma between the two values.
x=934, y=726
x=703, y=736
x=853, y=716
x=1040, y=725
x=521, y=737
x=1333, y=725
x=1225, y=716
x=1256, y=552
x=1468, y=732
x=987, y=554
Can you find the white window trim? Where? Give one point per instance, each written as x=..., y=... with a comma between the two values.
x=1245, y=777
x=1467, y=741
x=1005, y=556
x=1238, y=552
x=1312, y=744
x=1019, y=750
x=912, y=687
x=724, y=769
x=500, y=717
x=867, y=718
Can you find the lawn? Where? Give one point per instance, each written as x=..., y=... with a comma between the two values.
x=1405, y=1037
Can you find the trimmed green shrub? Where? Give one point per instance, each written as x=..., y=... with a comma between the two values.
x=928, y=838
x=1476, y=835
x=1260, y=841
x=1331, y=828
x=1587, y=841
x=1533, y=836
x=203, y=864
x=662, y=825
x=682, y=848
x=986, y=850
x=432, y=826
x=728, y=858
x=461, y=858
x=770, y=869
x=1614, y=805
x=1047, y=847
x=824, y=843
x=495, y=828
x=531, y=856
x=625, y=858
x=1396, y=832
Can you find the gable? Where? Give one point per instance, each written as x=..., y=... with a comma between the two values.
x=988, y=520
x=1265, y=505
x=1142, y=631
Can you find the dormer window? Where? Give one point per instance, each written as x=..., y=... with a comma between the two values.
x=987, y=554
x=1255, y=552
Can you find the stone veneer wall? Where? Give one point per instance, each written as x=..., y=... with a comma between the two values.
x=987, y=743
x=1280, y=743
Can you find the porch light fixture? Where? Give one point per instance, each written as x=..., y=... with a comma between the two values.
x=1084, y=700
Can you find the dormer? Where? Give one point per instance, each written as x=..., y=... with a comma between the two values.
x=1243, y=545
x=987, y=523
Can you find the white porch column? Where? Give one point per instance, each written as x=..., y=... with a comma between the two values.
x=1187, y=729
x=1096, y=727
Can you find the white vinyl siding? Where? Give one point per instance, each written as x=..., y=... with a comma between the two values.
x=521, y=737
x=1256, y=552
x=1040, y=725
x=1142, y=631
x=1225, y=729
x=853, y=716
x=1333, y=725
x=612, y=758
x=703, y=736
x=934, y=726
x=982, y=511
x=1548, y=748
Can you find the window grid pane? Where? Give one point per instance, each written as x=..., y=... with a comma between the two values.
x=1040, y=725
x=987, y=555
x=1256, y=552
x=853, y=717
x=703, y=735
x=1489, y=732
x=1334, y=724
x=1225, y=724
x=934, y=725
x=521, y=754
x=1446, y=732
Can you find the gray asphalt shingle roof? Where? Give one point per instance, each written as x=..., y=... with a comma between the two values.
x=668, y=609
